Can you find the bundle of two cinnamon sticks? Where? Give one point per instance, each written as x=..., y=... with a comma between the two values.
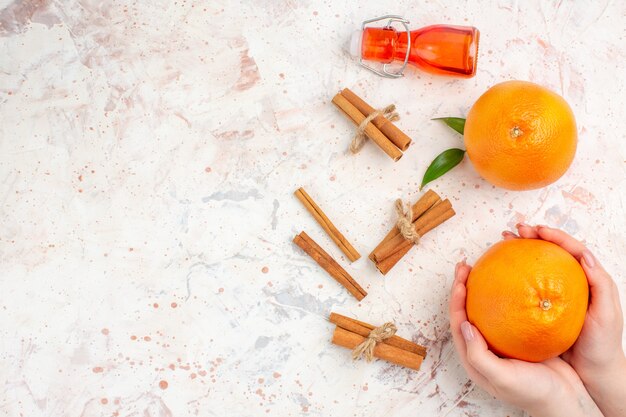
x=380, y=130
x=349, y=333
x=427, y=213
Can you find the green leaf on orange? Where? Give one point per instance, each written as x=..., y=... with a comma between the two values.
x=456, y=123
x=443, y=163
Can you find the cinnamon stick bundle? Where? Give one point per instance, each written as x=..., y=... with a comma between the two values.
x=364, y=329
x=383, y=124
x=428, y=213
x=380, y=130
x=327, y=225
x=331, y=266
x=350, y=333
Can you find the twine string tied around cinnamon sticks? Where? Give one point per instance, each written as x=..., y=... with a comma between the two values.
x=405, y=222
x=359, y=137
x=376, y=336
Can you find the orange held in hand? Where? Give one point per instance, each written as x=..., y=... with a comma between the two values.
x=528, y=298
x=520, y=135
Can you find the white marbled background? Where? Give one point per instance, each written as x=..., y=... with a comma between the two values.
x=148, y=155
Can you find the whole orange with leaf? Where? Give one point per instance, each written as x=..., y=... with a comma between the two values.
x=528, y=298
x=520, y=135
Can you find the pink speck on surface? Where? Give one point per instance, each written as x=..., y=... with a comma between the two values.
x=249, y=72
x=97, y=369
x=104, y=331
x=579, y=195
x=542, y=43
x=163, y=384
x=104, y=401
x=173, y=305
x=265, y=270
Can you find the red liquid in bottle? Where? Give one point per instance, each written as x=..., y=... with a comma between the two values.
x=438, y=49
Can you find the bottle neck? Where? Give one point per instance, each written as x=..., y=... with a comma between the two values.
x=379, y=44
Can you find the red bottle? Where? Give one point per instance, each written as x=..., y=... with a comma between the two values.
x=438, y=49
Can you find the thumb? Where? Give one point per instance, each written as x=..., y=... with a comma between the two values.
x=495, y=369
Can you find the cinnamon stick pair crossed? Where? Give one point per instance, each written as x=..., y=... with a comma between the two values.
x=380, y=130
x=427, y=213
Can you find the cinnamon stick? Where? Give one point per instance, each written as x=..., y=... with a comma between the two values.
x=329, y=265
x=423, y=224
x=364, y=329
x=350, y=340
x=327, y=225
x=371, y=131
x=386, y=264
x=395, y=135
x=425, y=202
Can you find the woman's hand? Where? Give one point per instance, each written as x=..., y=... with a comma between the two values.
x=597, y=356
x=550, y=388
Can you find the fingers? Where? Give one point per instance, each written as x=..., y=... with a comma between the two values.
x=562, y=239
x=479, y=357
x=457, y=298
x=604, y=294
x=526, y=231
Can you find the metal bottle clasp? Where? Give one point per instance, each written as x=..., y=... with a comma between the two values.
x=385, y=72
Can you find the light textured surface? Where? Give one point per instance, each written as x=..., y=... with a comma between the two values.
x=148, y=155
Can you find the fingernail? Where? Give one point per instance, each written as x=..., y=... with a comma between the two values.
x=589, y=259
x=507, y=233
x=466, y=330
x=456, y=268
x=518, y=225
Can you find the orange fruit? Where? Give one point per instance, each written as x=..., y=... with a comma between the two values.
x=520, y=135
x=528, y=298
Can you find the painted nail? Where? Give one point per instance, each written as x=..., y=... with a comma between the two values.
x=589, y=259
x=466, y=330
